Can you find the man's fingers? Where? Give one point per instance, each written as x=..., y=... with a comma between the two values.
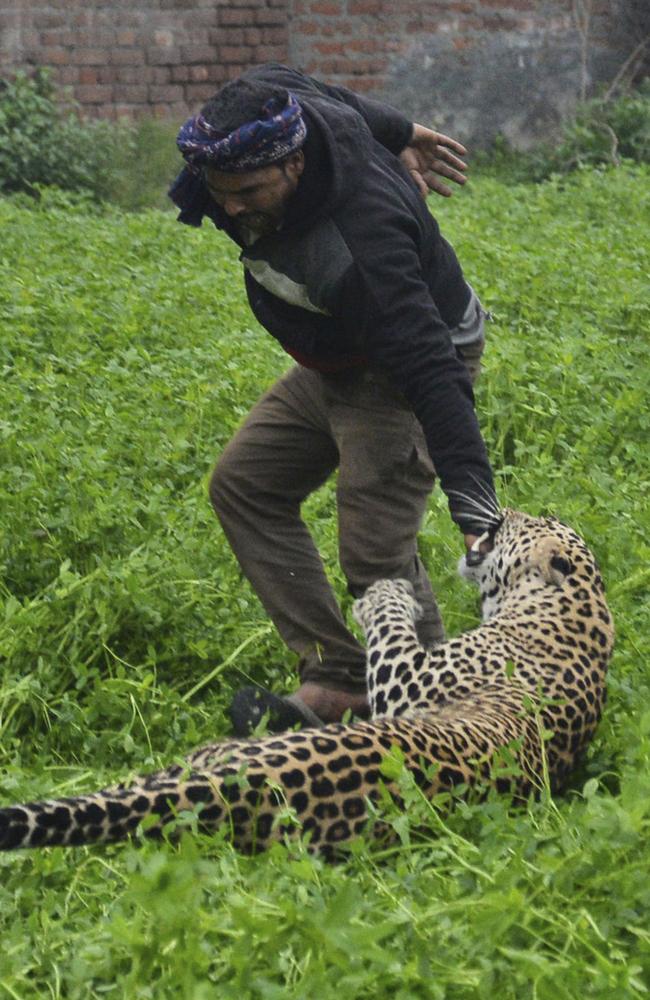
x=443, y=155
x=444, y=171
x=446, y=140
x=423, y=187
x=435, y=184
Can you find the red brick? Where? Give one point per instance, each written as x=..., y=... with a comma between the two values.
x=364, y=45
x=193, y=54
x=365, y=6
x=131, y=74
x=48, y=19
x=163, y=38
x=128, y=37
x=330, y=8
x=330, y=48
x=94, y=94
x=129, y=93
x=84, y=36
x=348, y=28
x=165, y=93
x=254, y=36
x=235, y=53
x=108, y=74
x=127, y=57
x=53, y=36
x=271, y=53
x=129, y=18
x=90, y=57
x=175, y=112
x=307, y=28
x=162, y=57
x=82, y=18
x=217, y=74
x=233, y=36
x=161, y=75
x=236, y=17
x=198, y=74
x=99, y=38
x=271, y=17
x=276, y=36
x=195, y=93
x=53, y=56
x=67, y=75
x=364, y=85
x=512, y=4
x=204, y=18
x=88, y=74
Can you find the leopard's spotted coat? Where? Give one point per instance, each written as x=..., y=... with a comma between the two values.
x=545, y=641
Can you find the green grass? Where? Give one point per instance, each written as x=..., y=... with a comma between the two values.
x=128, y=356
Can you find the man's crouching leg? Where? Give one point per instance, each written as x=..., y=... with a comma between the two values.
x=283, y=452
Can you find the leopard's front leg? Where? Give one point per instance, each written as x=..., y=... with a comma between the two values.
x=387, y=612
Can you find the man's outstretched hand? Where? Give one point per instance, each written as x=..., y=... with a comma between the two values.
x=431, y=155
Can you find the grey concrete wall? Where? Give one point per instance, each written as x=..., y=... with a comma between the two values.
x=473, y=67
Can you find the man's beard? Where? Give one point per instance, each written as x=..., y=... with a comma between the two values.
x=258, y=222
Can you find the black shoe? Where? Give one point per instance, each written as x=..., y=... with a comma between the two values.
x=250, y=704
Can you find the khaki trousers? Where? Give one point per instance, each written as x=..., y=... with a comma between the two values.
x=304, y=428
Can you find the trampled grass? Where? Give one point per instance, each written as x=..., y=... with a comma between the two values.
x=128, y=356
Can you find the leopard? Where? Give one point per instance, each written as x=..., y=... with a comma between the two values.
x=527, y=684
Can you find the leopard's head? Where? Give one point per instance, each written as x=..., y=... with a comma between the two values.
x=523, y=555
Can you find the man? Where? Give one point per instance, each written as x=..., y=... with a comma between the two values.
x=346, y=267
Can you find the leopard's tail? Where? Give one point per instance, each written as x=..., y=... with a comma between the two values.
x=316, y=781
x=113, y=814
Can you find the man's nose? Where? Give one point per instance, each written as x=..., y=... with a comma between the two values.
x=233, y=206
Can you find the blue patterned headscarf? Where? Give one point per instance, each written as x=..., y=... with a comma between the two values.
x=280, y=132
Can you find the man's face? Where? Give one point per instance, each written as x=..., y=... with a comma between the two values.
x=257, y=200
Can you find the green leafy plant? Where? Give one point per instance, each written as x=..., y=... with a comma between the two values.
x=127, y=358
x=44, y=141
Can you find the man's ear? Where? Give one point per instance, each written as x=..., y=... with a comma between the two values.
x=294, y=165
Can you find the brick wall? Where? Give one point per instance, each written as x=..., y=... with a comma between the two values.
x=475, y=67
x=472, y=66
x=149, y=56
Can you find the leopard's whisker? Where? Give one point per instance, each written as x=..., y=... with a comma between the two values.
x=488, y=494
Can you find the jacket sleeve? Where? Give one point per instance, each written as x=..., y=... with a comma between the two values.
x=404, y=335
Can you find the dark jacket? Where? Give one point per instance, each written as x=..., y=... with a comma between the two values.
x=359, y=273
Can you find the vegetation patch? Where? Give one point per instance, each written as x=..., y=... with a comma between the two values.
x=128, y=356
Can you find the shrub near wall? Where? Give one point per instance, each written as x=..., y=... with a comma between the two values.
x=44, y=144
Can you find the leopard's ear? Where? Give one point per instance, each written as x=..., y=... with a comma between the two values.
x=553, y=564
